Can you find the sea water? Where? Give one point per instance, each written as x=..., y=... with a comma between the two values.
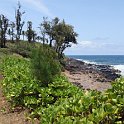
x=117, y=61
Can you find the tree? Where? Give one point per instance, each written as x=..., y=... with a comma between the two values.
x=19, y=23
x=11, y=31
x=42, y=38
x=3, y=30
x=64, y=36
x=30, y=33
x=59, y=34
x=34, y=35
x=46, y=28
x=23, y=34
x=44, y=65
x=39, y=38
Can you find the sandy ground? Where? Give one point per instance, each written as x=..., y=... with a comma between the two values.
x=87, y=81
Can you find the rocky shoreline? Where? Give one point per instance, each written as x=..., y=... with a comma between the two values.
x=90, y=76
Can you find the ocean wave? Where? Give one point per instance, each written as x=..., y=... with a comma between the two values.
x=87, y=61
x=119, y=67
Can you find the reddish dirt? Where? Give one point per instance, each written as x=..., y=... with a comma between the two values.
x=7, y=116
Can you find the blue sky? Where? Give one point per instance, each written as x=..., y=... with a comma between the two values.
x=99, y=23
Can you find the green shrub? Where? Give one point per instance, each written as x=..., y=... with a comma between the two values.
x=23, y=48
x=44, y=64
x=18, y=81
x=3, y=53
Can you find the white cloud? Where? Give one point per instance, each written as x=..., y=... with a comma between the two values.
x=86, y=43
x=39, y=6
x=90, y=44
x=90, y=47
x=93, y=44
x=101, y=38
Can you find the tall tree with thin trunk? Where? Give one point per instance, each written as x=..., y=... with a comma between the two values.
x=3, y=30
x=23, y=34
x=30, y=33
x=19, y=23
x=11, y=31
x=46, y=28
x=34, y=35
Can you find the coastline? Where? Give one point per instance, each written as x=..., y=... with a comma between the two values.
x=119, y=67
x=90, y=76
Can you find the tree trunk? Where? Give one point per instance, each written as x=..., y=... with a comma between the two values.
x=50, y=43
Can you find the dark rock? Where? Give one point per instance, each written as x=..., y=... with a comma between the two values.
x=102, y=73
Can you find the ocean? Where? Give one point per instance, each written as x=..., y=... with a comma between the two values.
x=117, y=61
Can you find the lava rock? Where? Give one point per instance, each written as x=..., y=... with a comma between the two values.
x=105, y=73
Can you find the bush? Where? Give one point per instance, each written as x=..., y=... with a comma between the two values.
x=18, y=81
x=45, y=65
x=23, y=48
x=3, y=53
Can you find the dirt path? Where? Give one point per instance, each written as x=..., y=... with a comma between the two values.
x=9, y=117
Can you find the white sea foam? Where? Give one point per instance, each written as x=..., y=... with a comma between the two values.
x=80, y=59
x=120, y=67
x=88, y=62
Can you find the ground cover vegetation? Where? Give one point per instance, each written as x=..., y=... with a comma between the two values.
x=34, y=80
x=60, y=101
